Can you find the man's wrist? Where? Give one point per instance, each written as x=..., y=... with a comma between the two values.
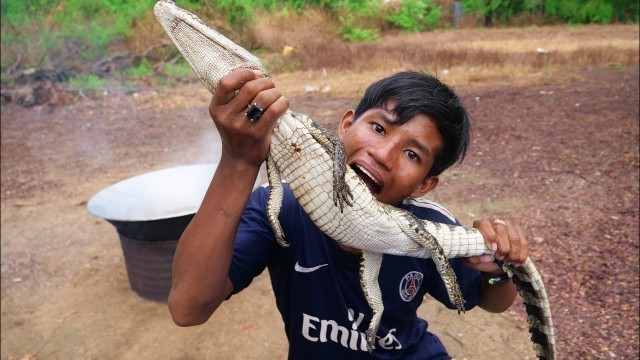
x=495, y=278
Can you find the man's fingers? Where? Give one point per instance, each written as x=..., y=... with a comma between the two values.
x=231, y=83
x=250, y=91
x=487, y=231
x=506, y=240
x=265, y=124
x=517, y=236
x=279, y=106
x=266, y=98
x=502, y=238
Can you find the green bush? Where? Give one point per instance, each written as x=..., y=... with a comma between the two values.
x=143, y=69
x=504, y=10
x=358, y=19
x=356, y=34
x=86, y=82
x=55, y=31
x=18, y=12
x=580, y=11
x=416, y=15
x=569, y=11
x=181, y=67
x=98, y=23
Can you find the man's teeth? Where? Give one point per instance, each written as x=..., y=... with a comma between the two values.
x=368, y=174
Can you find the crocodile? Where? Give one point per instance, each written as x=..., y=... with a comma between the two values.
x=312, y=160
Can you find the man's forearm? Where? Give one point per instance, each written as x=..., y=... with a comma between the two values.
x=203, y=256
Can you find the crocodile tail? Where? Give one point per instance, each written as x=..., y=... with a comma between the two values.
x=531, y=289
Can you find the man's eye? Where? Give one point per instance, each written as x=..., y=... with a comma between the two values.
x=377, y=128
x=412, y=155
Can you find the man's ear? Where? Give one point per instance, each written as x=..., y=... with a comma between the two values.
x=427, y=185
x=347, y=120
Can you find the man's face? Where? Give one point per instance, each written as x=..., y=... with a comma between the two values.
x=393, y=160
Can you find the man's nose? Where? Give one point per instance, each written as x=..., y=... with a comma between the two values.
x=383, y=153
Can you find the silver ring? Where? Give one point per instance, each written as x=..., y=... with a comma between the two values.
x=254, y=112
x=498, y=222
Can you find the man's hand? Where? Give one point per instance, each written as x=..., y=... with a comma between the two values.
x=244, y=140
x=200, y=281
x=505, y=239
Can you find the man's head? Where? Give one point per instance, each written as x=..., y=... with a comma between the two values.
x=412, y=93
x=406, y=130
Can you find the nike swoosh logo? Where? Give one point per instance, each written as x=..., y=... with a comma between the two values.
x=303, y=269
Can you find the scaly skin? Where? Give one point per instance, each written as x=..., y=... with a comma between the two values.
x=312, y=160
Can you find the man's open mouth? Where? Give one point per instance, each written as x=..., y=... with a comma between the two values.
x=373, y=184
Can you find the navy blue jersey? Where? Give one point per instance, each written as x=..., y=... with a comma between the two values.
x=318, y=293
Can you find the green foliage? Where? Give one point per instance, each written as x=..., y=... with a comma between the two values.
x=580, y=11
x=93, y=22
x=355, y=7
x=86, y=82
x=416, y=15
x=500, y=9
x=76, y=33
x=143, y=69
x=239, y=12
x=181, y=67
x=355, y=34
x=17, y=38
x=354, y=17
x=17, y=12
x=569, y=11
x=626, y=10
x=52, y=30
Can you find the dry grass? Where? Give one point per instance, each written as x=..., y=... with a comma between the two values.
x=275, y=30
x=460, y=57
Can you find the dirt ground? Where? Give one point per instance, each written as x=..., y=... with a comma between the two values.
x=560, y=158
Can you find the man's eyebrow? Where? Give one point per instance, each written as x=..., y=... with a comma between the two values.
x=389, y=120
x=386, y=118
x=420, y=146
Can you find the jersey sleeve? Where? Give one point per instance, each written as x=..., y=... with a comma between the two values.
x=255, y=244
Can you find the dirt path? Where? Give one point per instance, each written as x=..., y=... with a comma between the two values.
x=559, y=158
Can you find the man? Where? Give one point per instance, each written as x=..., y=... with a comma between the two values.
x=407, y=129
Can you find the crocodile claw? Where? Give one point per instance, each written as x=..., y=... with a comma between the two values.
x=282, y=242
x=341, y=193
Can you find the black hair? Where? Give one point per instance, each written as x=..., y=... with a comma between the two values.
x=415, y=92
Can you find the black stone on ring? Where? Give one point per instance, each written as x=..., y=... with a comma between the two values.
x=254, y=112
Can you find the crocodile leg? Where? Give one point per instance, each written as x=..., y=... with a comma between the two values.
x=414, y=228
x=274, y=202
x=370, y=264
x=341, y=191
x=333, y=145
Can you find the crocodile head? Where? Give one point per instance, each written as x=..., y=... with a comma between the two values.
x=210, y=54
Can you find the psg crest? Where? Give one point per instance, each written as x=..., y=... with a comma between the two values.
x=410, y=285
